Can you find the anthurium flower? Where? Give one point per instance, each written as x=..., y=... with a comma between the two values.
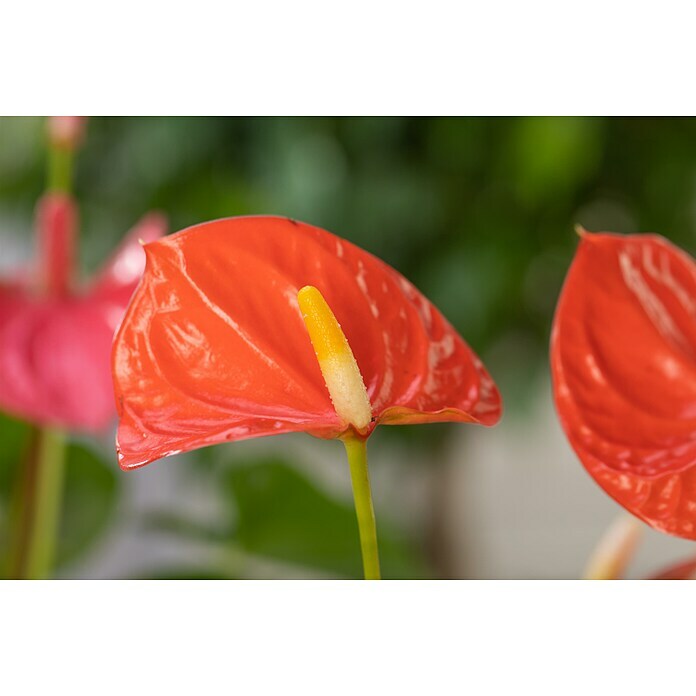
x=686, y=570
x=55, y=339
x=623, y=359
x=256, y=326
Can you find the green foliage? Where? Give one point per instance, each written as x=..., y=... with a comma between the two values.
x=552, y=157
x=277, y=515
x=283, y=515
x=91, y=493
x=14, y=436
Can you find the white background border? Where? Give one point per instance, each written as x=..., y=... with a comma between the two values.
x=347, y=58
x=359, y=57
x=430, y=638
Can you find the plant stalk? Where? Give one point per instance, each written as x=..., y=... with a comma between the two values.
x=60, y=168
x=356, y=450
x=40, y=493
x=38, y=513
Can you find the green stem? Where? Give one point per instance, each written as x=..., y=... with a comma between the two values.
x=356, y=449
x=60, y=168
x=49, y=494
x=39, y=506
x=36, y=509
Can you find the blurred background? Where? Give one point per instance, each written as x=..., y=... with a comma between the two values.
x=479, y=214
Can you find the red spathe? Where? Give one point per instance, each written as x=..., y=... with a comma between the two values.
x=213, y=347
x=623, y=358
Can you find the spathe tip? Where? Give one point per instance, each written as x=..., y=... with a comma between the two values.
x=580, y=231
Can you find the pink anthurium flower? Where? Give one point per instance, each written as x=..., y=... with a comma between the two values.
x=256, y=326
x=55, y=338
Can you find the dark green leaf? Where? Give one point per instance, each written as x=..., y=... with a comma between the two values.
x=89, y=501
x=14, y=436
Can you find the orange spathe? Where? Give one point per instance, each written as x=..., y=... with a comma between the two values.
x=214, y=346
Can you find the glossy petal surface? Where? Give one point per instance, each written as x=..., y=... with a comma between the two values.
x=54, y=349
x=213, y=347
x=623, y=356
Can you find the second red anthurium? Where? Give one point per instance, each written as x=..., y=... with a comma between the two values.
x=623, y=359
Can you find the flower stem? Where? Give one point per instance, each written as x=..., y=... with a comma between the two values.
x=356, y=449
x=39, y=507
x=40, y=492
x=615, y=549
x=60, y=168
